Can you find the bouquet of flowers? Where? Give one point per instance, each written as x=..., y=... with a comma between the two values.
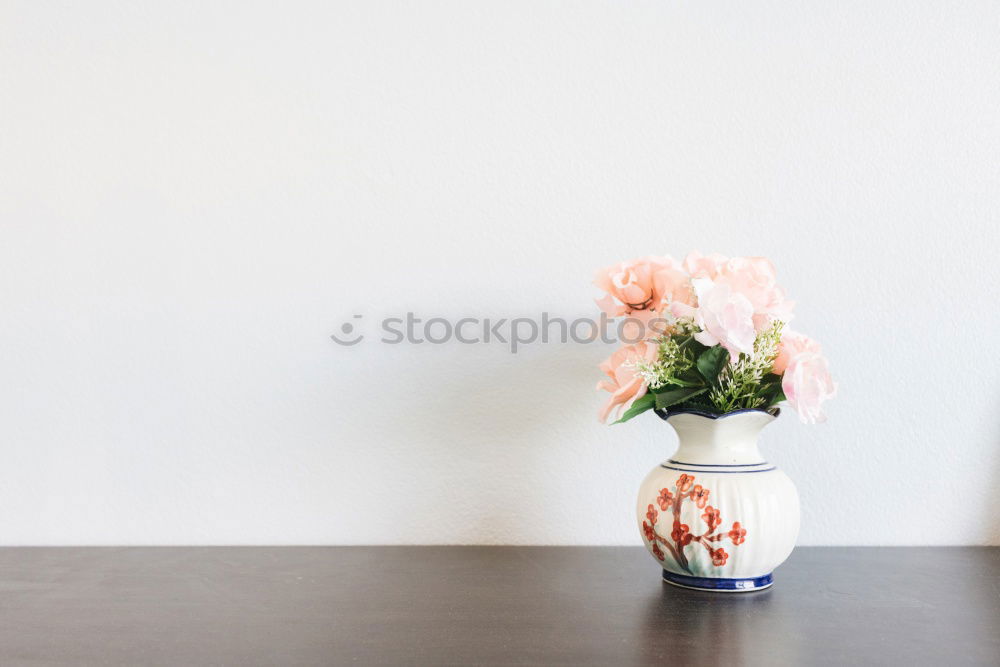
x=708, y=334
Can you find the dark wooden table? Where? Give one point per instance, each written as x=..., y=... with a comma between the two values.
x=488, y=605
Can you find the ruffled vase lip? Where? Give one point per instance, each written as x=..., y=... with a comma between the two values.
x=667, y=414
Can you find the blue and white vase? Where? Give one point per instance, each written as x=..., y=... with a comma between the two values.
x=716, y=515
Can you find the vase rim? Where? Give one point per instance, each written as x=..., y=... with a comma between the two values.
x=665, y=415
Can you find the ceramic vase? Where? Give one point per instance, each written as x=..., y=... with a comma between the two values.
x=716, y=515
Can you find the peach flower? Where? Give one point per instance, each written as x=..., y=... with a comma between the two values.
x=631, y=286
x=641, y=325
x=673, y=285
x=645, y=284
x=807, y=384
x=623, y=383
x=792, y=344
x=704, y=266
x=755, y=279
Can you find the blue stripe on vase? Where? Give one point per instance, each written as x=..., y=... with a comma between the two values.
x=667, y=414
x=713, y=584
x=719, y=465
x=720, y=472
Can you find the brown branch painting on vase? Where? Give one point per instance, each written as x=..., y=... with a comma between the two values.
x=680, y=534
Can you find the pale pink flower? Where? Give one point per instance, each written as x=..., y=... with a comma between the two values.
x=624, y=383
x=791, y=345
x=807, y=384
x=754, y=278
x=724, y=316
x=704, y=266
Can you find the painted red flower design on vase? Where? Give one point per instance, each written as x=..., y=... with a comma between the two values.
x=712, y=518
x=684, y=483
x=700, y=496
x=665, y=499
x=680, y=533
x=649, y=532
x=651, y=514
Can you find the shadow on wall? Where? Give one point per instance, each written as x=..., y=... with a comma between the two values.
x=478, y=425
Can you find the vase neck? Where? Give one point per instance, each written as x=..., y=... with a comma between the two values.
x=728, y=440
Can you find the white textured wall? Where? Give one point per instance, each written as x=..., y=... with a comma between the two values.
x=193, y=196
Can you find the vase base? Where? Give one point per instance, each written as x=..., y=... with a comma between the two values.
x=718, y=585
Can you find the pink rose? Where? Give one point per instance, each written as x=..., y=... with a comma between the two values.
x=754, y=278
x=623, y=383
x=792, y=344
x=807, y=383
x=724, y=316
x=642, y=284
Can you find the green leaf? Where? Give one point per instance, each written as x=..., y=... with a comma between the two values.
x=692, y=344
x=687, y=382
x=691, y=378
x=711, y=362
x=771, y=394
x=641, y=404
x=770, y=390
x=664, y=399
x=684, y=341
x=767, y=392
